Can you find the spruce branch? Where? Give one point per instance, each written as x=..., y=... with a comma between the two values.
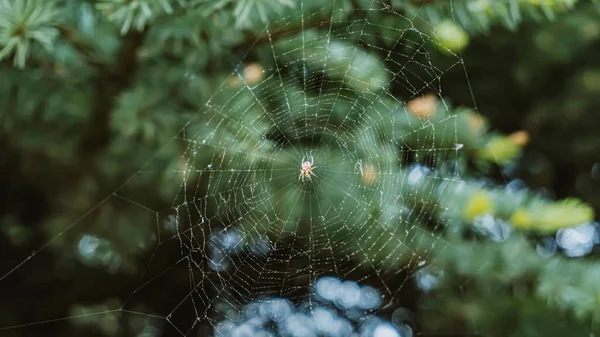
x=566, y=284
x=24, y=23
x=135, y=14
x=81, y=46
x=467, y=200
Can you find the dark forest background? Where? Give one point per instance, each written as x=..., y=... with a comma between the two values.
x=94, y=96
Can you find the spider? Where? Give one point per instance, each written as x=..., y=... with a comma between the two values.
x=306, y=169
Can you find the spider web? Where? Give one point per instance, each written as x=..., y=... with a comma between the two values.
x=244, y=226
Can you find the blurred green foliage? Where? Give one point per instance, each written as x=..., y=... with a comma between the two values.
x=118, y=114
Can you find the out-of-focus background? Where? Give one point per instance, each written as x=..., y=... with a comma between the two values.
x=151, y=177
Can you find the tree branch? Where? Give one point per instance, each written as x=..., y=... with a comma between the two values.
x=113, y=80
